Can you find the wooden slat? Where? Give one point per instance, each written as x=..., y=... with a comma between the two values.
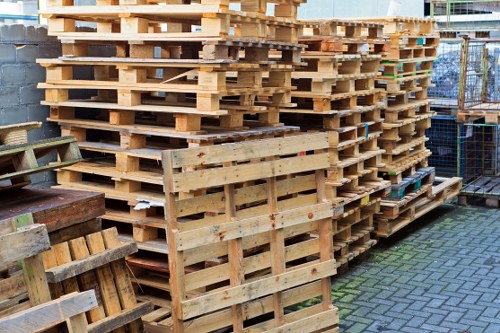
x=248, y=150
x=251, y=226
x=94, y=261
x=227, y=297
x=26, y=242
x=48, y=314
x=188, y=181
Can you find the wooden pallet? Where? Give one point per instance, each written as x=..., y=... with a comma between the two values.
x=322, y=67
x=487, y=188
x=412, y=183
x=405, y=84
x=237, y=225
x=210, y=88
x=184, y=21
x=26, y=304
x=406, y=26
x=18, y=162
x=400, y=69
x=342, y=28
x=489, y=111
x=96, y=262
x=353, y=233
x=335, y=45
x=396, y=215
x=397, y=111
x=66, y=214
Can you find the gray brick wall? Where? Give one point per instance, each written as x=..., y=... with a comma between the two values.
x=20, y=46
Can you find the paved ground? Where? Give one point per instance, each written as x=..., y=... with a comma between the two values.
x=441, y=276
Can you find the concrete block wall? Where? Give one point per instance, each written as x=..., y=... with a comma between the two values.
x=20, y=46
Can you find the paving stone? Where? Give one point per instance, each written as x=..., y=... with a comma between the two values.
x=442, y=278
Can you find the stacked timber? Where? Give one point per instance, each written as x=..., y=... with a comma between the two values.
x=336, y=94
x=233, y=205
x=406, y=72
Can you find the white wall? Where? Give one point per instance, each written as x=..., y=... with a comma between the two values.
x=357, y=8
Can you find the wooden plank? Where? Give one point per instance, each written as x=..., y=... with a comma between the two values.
x=251, y=226
x=255, y=308
x=109, y=324
x=26, y=242
x=87, y=280
x=110, y=299
x=313, y=323
x=48, y=314
x=94, y=261
x=234, y=295
x=12, y=286
x=193, y=180
x=244, y=195
x=248, y=150
x=122, y=277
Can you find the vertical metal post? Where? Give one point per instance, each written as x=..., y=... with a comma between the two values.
x=462, y=82
x=448, y=14
x=484, y=68
x=459, y=135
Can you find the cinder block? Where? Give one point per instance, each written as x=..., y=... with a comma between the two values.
x=49, y=51
x=29, y=94
x=36, y=33
x=35, y=73
x=13, y=32
x=13, y=75
x=9, y=96
x=27, y=53
x=7, y=53
x=37, y=112
x=13, y=115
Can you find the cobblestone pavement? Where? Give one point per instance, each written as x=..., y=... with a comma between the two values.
x=441, y=276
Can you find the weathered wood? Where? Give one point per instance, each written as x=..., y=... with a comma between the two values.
x=55, y=208
x=77, y=267
x=122, y=277
x=26, y=242
x=125, y=316
x=251, y=228
x=50, y=313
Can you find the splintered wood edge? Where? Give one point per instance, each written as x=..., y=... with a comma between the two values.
x=77, y=267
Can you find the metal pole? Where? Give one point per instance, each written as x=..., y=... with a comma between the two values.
x=485, y=67
x=459, y=135
x=462, y=82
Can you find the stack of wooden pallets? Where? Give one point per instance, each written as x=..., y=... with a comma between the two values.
x=406, y=71
x=249, y=228
x=336, y=94
x=182, y=75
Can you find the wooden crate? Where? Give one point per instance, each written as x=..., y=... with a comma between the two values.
x=239, y=219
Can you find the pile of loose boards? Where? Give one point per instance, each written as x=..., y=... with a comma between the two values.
x=248, y=156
